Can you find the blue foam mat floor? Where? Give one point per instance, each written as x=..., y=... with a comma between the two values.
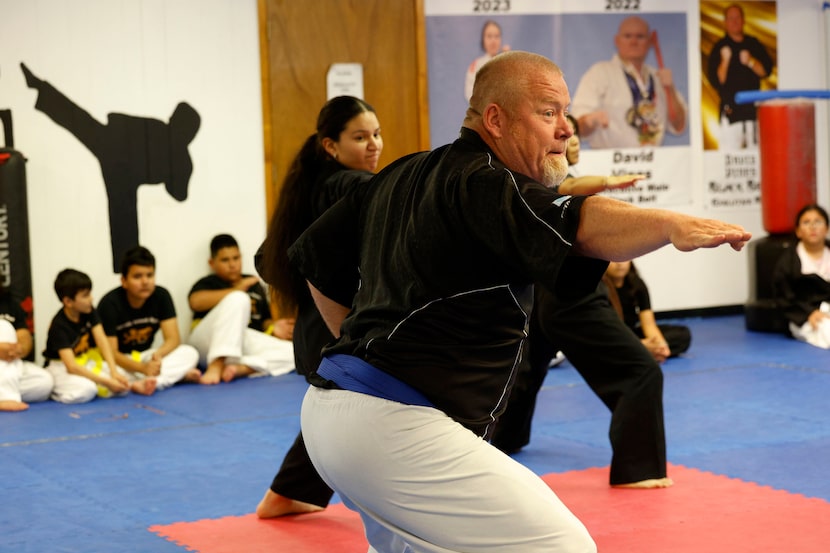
x=92, y=478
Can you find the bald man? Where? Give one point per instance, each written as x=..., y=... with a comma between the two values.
x=446, y=245
x=625, y=103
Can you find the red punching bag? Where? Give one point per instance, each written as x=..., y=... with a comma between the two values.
x=788, y=161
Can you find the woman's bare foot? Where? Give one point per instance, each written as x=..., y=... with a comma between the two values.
x=12, y=405
x=145, y=386
x=276, y=505
x=193, y=375
x=649, y=484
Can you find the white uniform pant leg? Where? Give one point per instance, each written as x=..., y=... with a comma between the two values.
x=10, y=371
x=819, y=337
x=737, y=136
x=70, y=388
x=219, y=333
x=174, y=365
x=423, y=483
x=35, y=383
x=266, y=354
x=10, y=374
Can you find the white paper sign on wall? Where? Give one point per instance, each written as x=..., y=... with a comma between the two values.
x=345, y=79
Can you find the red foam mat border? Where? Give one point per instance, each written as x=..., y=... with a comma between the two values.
x=701, y=512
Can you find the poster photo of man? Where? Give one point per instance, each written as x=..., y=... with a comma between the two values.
x=738, y=43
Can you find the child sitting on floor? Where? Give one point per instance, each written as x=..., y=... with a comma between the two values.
x=77, y=354
x=629, y=296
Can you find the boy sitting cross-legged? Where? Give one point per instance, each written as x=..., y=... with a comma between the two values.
x=77, y=354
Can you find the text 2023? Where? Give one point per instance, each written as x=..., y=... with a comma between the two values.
x=490, y=6
x=622, y=5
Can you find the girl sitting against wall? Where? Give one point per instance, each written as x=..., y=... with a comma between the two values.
x=629, y=296
x=801, y=281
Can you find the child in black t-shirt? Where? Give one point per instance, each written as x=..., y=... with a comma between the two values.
x=232, y=325
x=132, y=316
x=77, y=354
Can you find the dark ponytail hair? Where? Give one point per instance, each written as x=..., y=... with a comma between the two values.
x=293, y=212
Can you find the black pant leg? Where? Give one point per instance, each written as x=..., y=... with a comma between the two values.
x=624, y=375
x=678, y=337
x=298, y=479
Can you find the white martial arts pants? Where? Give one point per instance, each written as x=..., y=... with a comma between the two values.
x=423, y=483
x=737, y=136
x=819, y=337
x=21, y=380
x=224, y=332
x=72, y=388
x=174, y=365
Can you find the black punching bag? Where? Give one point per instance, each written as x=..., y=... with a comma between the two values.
x=15, y=264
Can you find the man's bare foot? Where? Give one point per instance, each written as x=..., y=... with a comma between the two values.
x=276, y=505
x=145, y=386
x=193, y=375
x=12, y=405
x=649, y=484
x=213, y=373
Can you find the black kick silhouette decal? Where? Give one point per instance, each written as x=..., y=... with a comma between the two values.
x=131, y=151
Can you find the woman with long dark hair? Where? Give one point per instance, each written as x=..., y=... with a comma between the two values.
x=341, y=154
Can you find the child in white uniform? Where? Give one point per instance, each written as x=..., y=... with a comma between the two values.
x=233, y=329
x=21, y=381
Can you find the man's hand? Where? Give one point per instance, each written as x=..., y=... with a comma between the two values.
x=622, y=181
x=590, y=122
x=664, y=75
x=725, y=54
x=690, y=233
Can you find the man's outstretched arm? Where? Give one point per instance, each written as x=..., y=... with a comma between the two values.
x=617, y=231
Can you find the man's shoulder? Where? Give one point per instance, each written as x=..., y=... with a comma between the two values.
x=465, y=156
x=605, y=65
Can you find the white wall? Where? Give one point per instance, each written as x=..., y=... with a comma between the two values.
x=138, y=57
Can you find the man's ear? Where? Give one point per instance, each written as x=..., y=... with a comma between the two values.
x=494, y=120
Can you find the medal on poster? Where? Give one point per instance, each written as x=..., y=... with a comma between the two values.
x=642, y=115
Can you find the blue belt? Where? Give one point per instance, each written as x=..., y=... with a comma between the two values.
x=356, y=375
